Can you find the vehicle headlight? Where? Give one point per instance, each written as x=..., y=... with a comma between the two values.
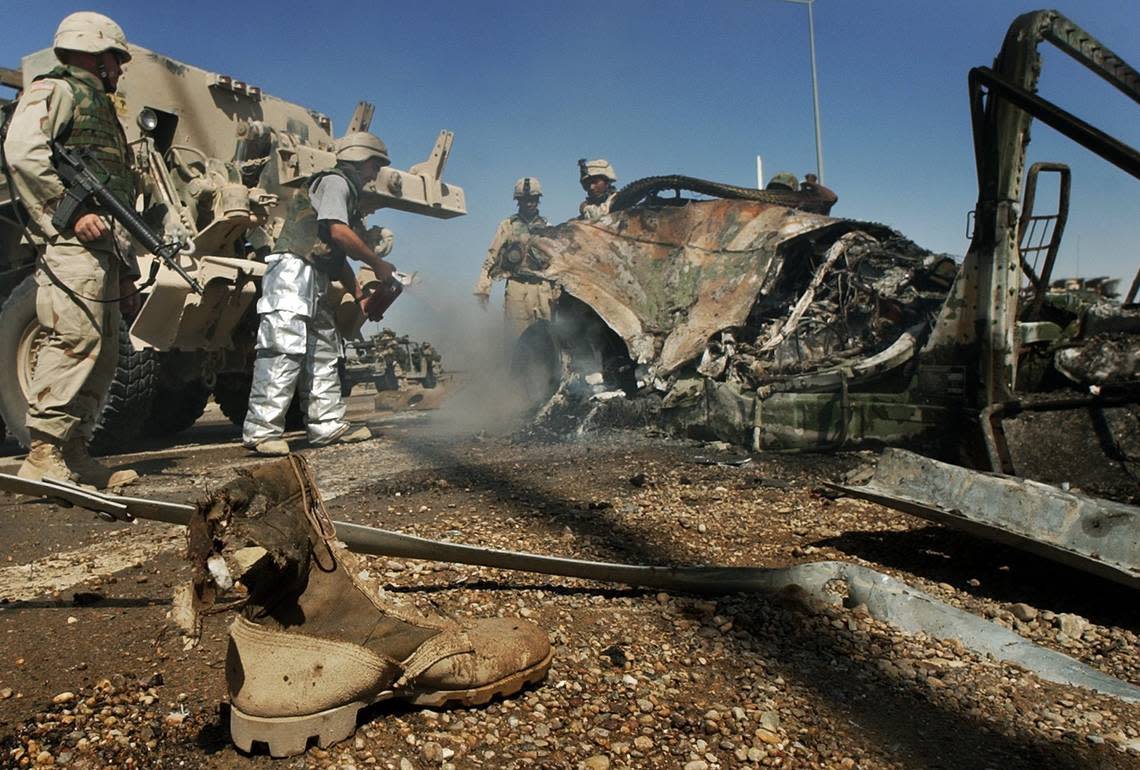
x=148, y=119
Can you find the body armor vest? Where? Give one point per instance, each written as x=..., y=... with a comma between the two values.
x=95, y=127
x=512, y=256
x=302, y=234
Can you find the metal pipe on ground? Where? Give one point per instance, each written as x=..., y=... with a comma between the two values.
x=885, y=598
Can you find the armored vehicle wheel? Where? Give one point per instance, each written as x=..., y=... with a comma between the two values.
x=177, y=406
x=128, y=402
x=536, y=365
x=231, y=393
x=342, y=373
x=130, y=397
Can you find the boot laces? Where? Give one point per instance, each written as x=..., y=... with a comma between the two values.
x=314, y=506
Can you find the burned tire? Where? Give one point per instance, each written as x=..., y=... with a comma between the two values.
x=641, y=190
x=536, y=365
x=130, y=396
x=177, y=406
x=231, y=394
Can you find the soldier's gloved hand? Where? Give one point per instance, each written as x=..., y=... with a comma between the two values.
x=384, y=243
x=483, y=300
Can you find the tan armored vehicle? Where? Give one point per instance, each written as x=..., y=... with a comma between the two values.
x=219, y=160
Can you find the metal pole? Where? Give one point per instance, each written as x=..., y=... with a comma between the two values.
x=815, y=95
x=814, y=88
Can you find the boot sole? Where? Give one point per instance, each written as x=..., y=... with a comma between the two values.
x=477, y=696
x=289, y=736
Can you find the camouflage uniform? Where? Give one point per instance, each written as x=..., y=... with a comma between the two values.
x=527, y=298
x=591, y=211
x=597, y=203
x=76, y=361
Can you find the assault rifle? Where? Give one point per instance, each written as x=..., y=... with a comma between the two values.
x=84, y=187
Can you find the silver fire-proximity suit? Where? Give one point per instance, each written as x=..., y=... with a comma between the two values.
x=297, y=340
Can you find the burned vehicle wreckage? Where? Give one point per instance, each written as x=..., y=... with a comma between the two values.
x=721, y=311
x=738, y=314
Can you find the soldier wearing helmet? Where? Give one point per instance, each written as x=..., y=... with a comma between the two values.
x=785, y=180
x=598, y=179
x=816, y=198
x=297, y=341
x=528, y=297
x=84, y=272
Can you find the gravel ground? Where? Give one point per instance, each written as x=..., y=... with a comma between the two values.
x=640, y=678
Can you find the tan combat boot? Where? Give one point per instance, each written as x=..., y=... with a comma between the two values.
x=316, y=643
x=45, y=461
x=353, y=434
x=348, y=434
x=91, y=471
x=270, y=447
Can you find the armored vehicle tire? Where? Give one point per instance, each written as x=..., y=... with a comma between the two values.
x=342, y=373
x=640, y=190
x=177, y=406
x=231, y=393
x=128, y=401
x=536, y=365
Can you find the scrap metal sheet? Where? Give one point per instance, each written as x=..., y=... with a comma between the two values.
x=1098, y=536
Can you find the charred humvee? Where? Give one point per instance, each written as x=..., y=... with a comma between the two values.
x=737, y=314
x=219, y=160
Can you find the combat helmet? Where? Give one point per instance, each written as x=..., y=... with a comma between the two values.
x=360, y=146
x=596, y=167
x=90, y=32
x=785, y=180
x=528, y=187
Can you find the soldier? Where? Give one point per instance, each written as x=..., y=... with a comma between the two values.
x=85, y=270
x=817, y=199
x=598, y=179
x=785, y=180
x=527, y=297
x=297, y=341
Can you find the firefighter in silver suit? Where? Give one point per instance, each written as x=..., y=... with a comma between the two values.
x=297, y=341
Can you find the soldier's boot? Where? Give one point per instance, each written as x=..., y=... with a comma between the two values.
x=270, y=447
x=91, y=471
x=317, y=643
x=45, y=460
x=352, y=434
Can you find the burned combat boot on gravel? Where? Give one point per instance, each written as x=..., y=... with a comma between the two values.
x=316, y=643
x=91, y=471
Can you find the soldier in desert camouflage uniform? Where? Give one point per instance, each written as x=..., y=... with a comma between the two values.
x=80, y=265
x=527, y=297
x=598, y=179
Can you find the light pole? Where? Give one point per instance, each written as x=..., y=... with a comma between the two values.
x=814, y=88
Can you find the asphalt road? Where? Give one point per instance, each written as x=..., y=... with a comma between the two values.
x=92, y=674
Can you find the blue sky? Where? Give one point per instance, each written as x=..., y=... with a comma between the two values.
x=658, y=87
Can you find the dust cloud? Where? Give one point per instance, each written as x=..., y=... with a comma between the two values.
x=476, y=346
